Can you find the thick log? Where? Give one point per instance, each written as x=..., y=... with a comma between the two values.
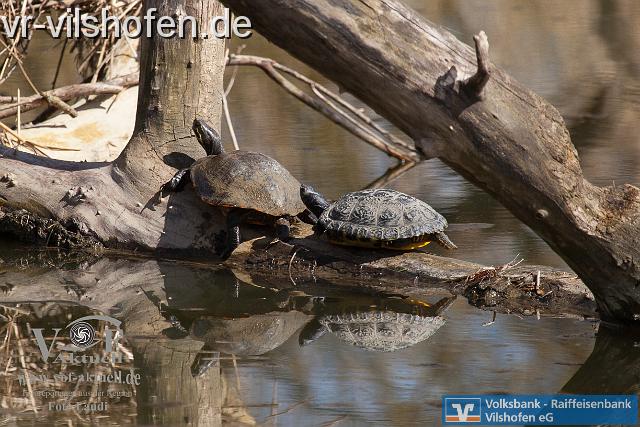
x=495, y=132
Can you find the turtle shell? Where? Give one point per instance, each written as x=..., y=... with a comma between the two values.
x=382, y=330
x=380, y=216
x=248, y=180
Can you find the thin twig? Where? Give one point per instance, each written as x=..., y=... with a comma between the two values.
x=53, y=100
x=35, y=147
x=289, y=409
x=334, y=422
x=493, y=320
x=19, y=126
x=232, y=80
x=110, y=87
x=57, y=73
x=227, y=116
x=290, y=264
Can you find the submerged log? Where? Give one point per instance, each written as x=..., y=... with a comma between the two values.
x=459, y=107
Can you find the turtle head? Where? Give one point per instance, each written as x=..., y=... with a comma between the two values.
x=313, y=200
x=208, y=137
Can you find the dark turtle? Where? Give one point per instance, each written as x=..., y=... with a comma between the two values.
x=380, y=218
x=378, y=329
x=242, y=182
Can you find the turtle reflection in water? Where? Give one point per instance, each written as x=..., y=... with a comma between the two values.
x=248, y=336
x=379, y=218
x=378, y=330
x=248, y=185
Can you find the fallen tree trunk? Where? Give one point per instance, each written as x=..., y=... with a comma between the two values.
x=477, y=119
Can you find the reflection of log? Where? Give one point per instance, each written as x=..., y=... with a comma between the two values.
x=168, y=393
x=509, y=141
x=612, y=367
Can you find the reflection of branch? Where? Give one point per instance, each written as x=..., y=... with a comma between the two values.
x=613, y=366
x=364, y=129
x=67, y=93
x=390, y=175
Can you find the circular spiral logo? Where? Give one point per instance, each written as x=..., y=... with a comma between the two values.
x=82, y=334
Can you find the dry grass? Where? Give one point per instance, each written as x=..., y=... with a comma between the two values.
x=94, y=56
x=28, y=384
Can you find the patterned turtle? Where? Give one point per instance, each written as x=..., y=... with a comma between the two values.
x=248, y=185
x=379, y=218
x=377, y=330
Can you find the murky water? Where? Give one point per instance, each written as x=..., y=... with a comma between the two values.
x=583, y=56
x=271, y=353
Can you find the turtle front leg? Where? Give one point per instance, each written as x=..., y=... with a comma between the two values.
x=283, y=229
x=177, y=183
x=308, y=217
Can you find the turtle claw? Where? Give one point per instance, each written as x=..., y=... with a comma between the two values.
x=177, y=183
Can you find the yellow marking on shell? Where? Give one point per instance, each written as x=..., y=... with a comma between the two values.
x=412, y=246
x=369, y=244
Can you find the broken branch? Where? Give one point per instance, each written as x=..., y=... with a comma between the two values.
x=476, y=83
x=66, y=93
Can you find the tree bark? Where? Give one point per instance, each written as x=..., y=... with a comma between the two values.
x=496, y=133
x=116, y=204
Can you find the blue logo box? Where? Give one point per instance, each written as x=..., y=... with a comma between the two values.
x=539, y=409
